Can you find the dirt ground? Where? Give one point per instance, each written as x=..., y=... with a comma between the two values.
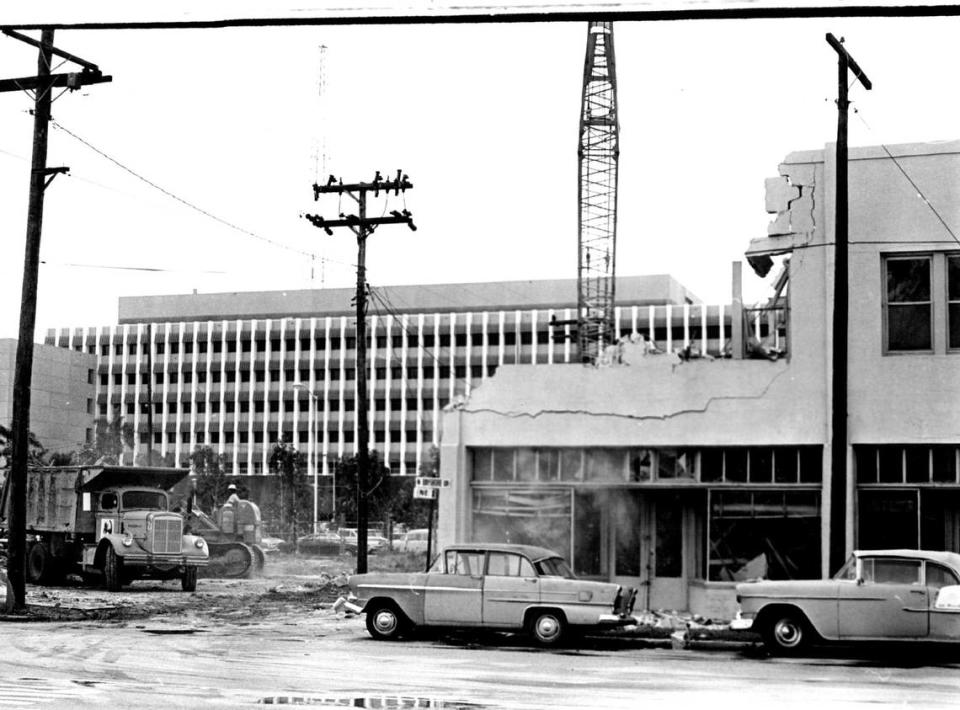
x=288, y=585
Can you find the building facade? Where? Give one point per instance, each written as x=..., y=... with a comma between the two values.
x=62, y=399
x=683, y=474
x=241, y=371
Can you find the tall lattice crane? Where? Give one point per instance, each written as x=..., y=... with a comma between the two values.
x=598, y=156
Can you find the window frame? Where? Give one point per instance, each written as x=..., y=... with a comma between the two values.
x=885, y=302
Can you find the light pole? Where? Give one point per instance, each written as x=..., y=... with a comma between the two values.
x=315, y=442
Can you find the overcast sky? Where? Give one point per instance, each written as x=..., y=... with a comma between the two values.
x=483, y=119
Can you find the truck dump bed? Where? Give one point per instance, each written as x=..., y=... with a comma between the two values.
x=52, y=493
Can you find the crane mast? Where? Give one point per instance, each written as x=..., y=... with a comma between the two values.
x=599, y=152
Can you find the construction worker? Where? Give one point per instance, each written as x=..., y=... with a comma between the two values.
x=232, y=497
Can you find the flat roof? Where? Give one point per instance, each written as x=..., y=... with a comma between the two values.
x=658, y=289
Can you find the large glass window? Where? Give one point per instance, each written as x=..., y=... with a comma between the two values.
x=523, y=515
x=887, y=519
x=757, y=533
x=908, y=305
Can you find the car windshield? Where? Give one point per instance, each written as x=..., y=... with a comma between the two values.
x=554, y=567
x=150, y=500
x=849, y=570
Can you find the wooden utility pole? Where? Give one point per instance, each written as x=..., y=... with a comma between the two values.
x=362, y=226
x=838, y=440
x=40, y=177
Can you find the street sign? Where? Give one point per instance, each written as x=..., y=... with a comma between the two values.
x=430, y=482
x=426, y=492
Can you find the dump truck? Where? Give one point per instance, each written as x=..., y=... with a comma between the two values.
x=109, y=522
x=233, y=534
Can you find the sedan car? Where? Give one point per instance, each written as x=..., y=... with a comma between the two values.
x=413, y=541
x=490, y=586
x=878, y=595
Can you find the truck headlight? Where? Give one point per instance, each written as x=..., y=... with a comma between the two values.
x=199, y=543
x=127, y=541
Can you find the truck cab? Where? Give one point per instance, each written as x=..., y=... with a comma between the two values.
x=109, y=521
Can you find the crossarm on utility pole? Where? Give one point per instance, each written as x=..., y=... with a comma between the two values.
x=851, y=62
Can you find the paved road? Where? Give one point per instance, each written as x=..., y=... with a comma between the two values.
x=321, y=659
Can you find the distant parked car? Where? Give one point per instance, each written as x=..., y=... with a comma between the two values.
x=494, y=586
x=413, y=541
x=325, y=543
x=375, y=543
x=878, y=595
x=271, y=544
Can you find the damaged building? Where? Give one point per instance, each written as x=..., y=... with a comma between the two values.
x=698, y=453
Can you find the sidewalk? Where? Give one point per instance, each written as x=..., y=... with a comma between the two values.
x=683, y=630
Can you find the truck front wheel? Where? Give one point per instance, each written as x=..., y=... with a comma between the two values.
x=189, y=579
x=112, y=570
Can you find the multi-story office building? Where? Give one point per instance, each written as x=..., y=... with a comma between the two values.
x=62, y=399
x=241, y=371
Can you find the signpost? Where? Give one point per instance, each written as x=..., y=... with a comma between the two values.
x=428, y=488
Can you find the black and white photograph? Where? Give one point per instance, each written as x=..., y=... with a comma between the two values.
x=480, y=355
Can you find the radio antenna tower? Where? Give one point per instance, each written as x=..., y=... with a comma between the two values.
x=599, y=152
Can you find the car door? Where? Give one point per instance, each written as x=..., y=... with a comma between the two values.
x=453, y=597
x=889, y=600
x=509, y=587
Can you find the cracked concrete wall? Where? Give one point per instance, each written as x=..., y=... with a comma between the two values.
x=791, y=197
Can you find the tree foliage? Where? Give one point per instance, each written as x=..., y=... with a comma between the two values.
x=211, y=478
x=295, y=504
x=36, y=453
x=387, y=495
x=111, y=439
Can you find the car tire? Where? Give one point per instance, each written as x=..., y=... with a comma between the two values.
x=548, y=628
x=385, y=622
x=189, y=579
x=112, y=570
x=786, y=632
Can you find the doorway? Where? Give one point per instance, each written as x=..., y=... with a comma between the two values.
x=635, y=538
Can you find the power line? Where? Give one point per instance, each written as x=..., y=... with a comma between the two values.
x=181, y=200
x=909, y=179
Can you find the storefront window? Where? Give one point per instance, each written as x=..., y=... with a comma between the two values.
x=524, y=516
x=605, y=464
x=771, y=534
x=887, y=519
x=571, y=464
x=641, y=465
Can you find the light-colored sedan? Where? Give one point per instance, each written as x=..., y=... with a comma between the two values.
x=491, y=586
x=414, y=541
x=878, y=595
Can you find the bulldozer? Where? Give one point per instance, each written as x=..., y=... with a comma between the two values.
x=233, y=535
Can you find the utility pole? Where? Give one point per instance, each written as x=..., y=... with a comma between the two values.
x=40, y=177
x=838, y=440
x=362, y=226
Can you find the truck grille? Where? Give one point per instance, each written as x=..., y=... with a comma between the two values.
x=166, y=535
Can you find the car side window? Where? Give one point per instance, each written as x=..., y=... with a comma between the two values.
x=504, y=564
x=889, y=571
x=939, y=576
x=108, y=501
x=466, y=564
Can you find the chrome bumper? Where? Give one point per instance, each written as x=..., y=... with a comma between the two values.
x=348, y=604
x=740, y=624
